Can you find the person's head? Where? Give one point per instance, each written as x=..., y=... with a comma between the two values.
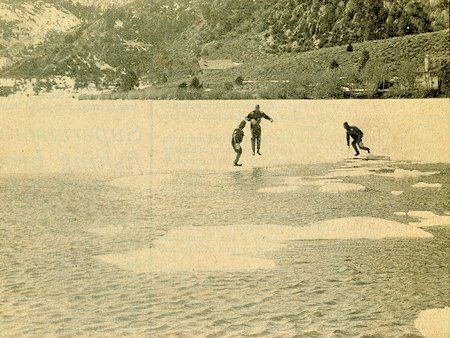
x=242, y=125
x=257, y=107
x=346, y=126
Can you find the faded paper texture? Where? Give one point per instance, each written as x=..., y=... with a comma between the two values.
x=128, y=218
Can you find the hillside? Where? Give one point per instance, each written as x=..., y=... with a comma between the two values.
x=25, y=25
x=132, y=36
x=391, y=54
x=162, y=40
x=394, y=63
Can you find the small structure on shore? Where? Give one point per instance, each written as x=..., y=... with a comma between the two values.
x=433, y=73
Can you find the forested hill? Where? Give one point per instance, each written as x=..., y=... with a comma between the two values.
x=299, y=25
x=168, y=36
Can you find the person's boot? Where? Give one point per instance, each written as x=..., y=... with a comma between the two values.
x=357, y=154
x=258, y=153
x=237, y=164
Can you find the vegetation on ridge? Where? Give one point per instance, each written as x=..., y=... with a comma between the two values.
x=161, y=41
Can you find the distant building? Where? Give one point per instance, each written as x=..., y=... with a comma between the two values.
x=433, y=71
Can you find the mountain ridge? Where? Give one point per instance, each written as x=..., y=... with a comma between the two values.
x=162, y=40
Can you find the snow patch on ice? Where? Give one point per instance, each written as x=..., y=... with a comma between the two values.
x=396, y=192
x=293, y=183
x=377, y=171
x=362, y=171
x=295, y=180
x=245, y=247
x=421, y=214
x=435, y=221
x=159, y=261
x=362, y=227
x=427, y=185
x=403, y=173
x=434, y=323
x=428, y=219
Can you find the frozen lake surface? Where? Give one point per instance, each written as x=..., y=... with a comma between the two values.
x=127, y=219
x=136, y=137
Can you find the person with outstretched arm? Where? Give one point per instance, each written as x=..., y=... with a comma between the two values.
x=357, y=136
x=255, y=119
x=236, y=139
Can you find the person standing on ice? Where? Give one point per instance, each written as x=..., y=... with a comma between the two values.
x=357, y=136
x=255, y=119
x=236, y=139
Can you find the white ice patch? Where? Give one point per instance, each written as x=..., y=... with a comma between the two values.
x=243, y=247
x=362, y=227
x=435, y=221
x=427, y=185
x=354, y=172
x=396, y=192
x=328, y=185
x=158, y=261
x=107, y=230
x=434, y=323
x=341, y=187
x=299, y=181
x=293, y=183
x=428, y=219
x=421, y=214
x=403, y=173
x=366, y=171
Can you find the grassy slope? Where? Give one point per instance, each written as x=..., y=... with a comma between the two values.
x=262, y=67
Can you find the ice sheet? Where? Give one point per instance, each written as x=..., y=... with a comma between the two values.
x=136, y=137
x=246, y=247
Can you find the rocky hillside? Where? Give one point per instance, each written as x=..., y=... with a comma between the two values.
x=137, y=37
x=163, y=39
x=28, y=24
